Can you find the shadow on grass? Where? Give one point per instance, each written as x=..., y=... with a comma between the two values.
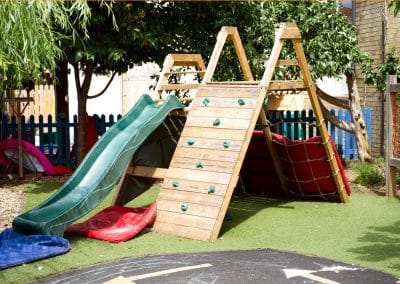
x=244, y=207
x=382, y=243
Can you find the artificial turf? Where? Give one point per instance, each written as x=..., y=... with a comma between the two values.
x=365, y=232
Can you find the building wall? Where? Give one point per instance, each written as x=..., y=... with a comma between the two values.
x=368, y=21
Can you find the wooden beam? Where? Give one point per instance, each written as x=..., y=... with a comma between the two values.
x=392, y=163
x=287, y=62
x=228, y=33
x=290, y=31
x=305, y=71
x=286, y=85
x=150, y=172
x=184, y=72
x=169, y=87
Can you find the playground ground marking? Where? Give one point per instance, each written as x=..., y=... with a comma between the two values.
x=307, y=274
x=126, y=280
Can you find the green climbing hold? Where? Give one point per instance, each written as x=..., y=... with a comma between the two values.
x=175, y=184
x=190, y=141
x=216, y=122
x=206, y=101
x=241, y=102
x=211, y=189
x=199, y=165
x=184, y=206
x=226, y=144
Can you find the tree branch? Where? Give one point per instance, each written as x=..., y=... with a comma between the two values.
x=105, y=88
x=349, y=127
x=342, y=103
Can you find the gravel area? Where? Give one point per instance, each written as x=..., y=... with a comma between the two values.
x=12, y=200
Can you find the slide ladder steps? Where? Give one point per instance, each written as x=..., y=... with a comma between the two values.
x=205, y=167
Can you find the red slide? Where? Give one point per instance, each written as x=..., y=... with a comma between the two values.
x=115, y=223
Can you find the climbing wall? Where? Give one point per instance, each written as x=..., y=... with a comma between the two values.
x=205, y=167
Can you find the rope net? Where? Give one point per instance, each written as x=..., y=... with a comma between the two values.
x=304, y=163
x=306, y=166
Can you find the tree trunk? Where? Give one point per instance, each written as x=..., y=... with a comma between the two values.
x=82, y=93
x=360, y=130
x=62, y=106
x=357, y=125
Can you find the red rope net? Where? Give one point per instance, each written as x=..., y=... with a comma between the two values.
x=304, y=163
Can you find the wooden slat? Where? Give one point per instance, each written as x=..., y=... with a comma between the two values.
x=191, y=197
x=206, y=154
x=230, y=123
x=216, y=144
x=193, y=208
x=223, y=102
x=287, y=62
x=184, y=72
x=185, y=220
x=178, y=87
x=282, y=85
x=232, y=84
x=182, y=231
x=193, y=186
x=142, y=171
x=237, y=91
x=221, y=112
x=229, y=134
x=198, y=175
x=209, y=165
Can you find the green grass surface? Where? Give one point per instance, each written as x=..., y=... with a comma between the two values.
x=365, y=232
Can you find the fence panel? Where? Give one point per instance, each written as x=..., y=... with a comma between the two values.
x=48, y=136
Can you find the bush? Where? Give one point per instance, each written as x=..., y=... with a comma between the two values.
x=369, y=173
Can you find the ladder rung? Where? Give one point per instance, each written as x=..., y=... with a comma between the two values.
x=287, y=62
x=286, y=85
x=178, y=86
x=184, y=72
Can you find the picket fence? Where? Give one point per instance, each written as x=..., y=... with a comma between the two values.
x=47, y=135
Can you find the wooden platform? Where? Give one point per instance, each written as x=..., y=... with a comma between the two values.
x=208, y=155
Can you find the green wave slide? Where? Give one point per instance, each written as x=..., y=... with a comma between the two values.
x=99, y=171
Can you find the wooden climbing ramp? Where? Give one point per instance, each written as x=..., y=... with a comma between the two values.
x=204, y=169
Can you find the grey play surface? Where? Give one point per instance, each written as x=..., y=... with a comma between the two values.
x=248, y=266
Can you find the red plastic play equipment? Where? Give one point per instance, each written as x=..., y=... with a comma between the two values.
x=304, y=163
x=33, y=159
x=115, y=223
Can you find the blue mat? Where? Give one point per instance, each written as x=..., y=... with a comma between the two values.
x=16, y=248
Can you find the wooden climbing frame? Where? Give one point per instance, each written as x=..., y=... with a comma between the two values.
x=393, y=136
x=204, y=170
x=184, y=60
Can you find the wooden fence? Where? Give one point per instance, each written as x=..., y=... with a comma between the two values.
x=45, y=135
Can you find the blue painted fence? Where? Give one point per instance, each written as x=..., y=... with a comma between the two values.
x=46, y=135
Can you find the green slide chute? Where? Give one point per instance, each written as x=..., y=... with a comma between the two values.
x=99, y=172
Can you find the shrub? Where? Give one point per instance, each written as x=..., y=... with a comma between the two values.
x=369, y=173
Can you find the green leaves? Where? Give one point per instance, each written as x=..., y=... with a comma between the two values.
x=30, y=46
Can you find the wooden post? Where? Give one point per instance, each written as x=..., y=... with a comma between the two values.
x=392, y=160
x=18, y=111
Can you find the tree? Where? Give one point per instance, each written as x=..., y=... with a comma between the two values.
x=135, y=32
x=29, y=45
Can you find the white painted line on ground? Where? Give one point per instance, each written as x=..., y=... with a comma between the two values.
x=126, y=280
